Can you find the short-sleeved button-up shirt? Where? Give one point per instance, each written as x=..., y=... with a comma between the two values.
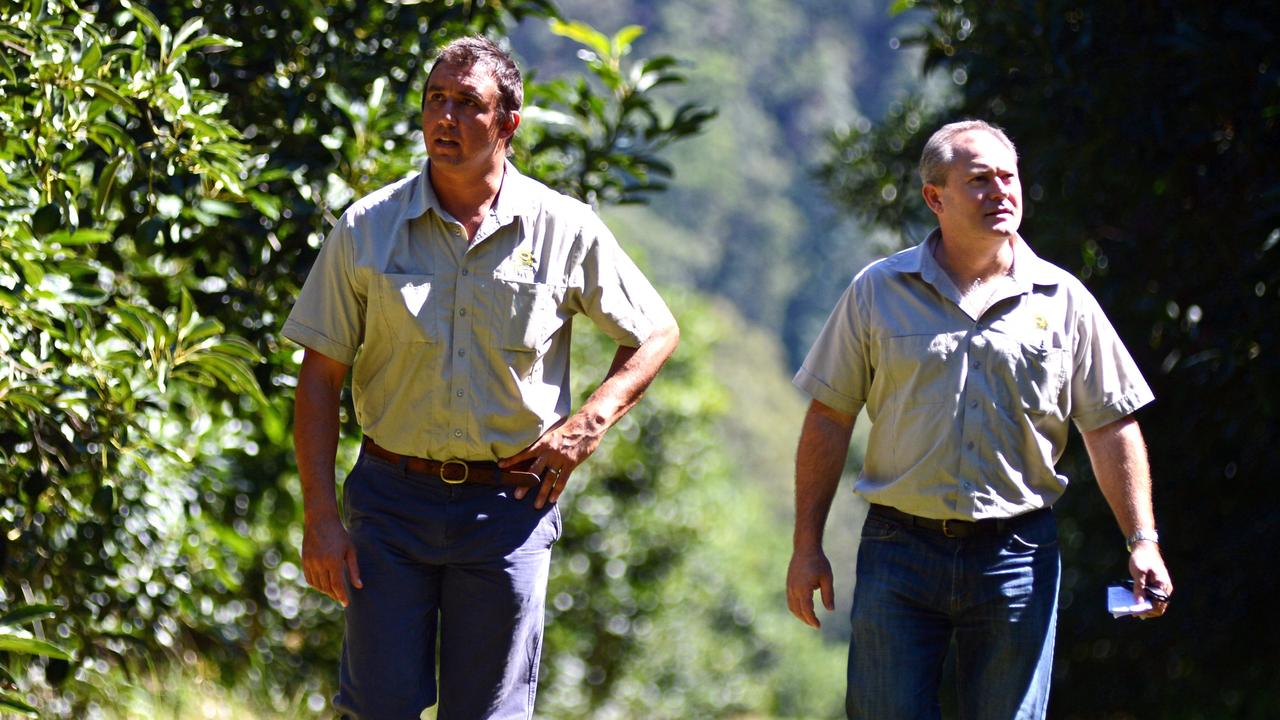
x=969, y=415
x=462, y=351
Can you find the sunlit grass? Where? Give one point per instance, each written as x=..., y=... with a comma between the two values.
x=174, y=695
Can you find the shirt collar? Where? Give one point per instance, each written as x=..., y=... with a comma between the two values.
x=515, y=197
x=1028, y=268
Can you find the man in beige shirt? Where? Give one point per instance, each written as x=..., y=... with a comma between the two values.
x=970, y=355
x=450, y=296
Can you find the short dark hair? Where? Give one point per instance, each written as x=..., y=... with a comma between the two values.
x=939, y=151
x=479, y=50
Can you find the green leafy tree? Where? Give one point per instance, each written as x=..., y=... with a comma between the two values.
x=1147, y=132
x=112, y=381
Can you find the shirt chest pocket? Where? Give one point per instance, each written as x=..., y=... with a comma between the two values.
x=1033, y=374
x=533, y=314
x=923, y=369
x=406, y=307
x=1040, y=372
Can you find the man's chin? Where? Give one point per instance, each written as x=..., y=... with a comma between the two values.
x=444, y=158
x=1006, y=228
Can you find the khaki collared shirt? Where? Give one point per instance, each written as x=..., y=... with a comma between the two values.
x=969, y=414
x=463, y=351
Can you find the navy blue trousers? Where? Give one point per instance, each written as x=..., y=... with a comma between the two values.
x=464, y=566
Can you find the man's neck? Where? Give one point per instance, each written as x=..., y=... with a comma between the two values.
x=973, y=263
x=467, y=196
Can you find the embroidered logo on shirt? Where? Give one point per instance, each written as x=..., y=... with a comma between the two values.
x=1041, y=322
x=415, y=296
x=525, y=258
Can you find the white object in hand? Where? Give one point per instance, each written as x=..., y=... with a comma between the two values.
x=1120, y=602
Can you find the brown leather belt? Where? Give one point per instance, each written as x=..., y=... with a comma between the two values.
x=954, y=528
x=456, y=472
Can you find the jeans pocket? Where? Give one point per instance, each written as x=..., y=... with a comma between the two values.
x=1034, y=535
x=876, y=528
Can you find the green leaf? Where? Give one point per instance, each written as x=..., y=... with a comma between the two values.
x=91, y=58
x=111, y=137
x=106, y=183
x=99, y=88
x=584, y=34
x=185, y=312
x=623, y=39
x=900, y=6
x=217, y=41
x=31, y=646
x=28, y=613
x=188, y=29
x=12, y=703
x=146, y=17
x=83, y=236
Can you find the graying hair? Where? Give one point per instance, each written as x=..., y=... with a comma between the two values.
x=939, y=151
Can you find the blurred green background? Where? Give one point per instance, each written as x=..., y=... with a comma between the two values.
x=168, y=170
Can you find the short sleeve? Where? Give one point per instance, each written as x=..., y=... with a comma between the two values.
x=836, y=372
x=608, y=288
x=329, y=314
x=1106, y=384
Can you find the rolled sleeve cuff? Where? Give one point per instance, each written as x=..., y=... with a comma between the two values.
x=314, y=340
x=1121, y=407
x=635, y=333
x=823, y=393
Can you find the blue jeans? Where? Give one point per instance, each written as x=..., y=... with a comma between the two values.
x=996, y=595
x=465, y=564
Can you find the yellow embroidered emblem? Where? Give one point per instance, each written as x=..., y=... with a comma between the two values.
x=525, y=258
x=1041, y=322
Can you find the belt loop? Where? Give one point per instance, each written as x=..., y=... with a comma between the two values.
x=403, y=464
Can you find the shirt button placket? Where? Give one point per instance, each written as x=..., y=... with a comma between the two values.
x=462, y=337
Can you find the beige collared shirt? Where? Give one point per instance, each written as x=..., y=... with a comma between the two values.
x=969, y=415
x=463, y=351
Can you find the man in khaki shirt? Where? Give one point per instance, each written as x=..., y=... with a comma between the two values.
x=970, y=355
x=450, y=296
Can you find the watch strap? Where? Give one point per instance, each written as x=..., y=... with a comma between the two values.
x=1140, y=535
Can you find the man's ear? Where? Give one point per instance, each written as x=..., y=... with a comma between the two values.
x=932, y=197
x=508, y=129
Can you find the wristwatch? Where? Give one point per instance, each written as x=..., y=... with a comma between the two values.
x=1139, y=536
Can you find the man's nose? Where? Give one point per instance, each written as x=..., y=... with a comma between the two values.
x=448, y=112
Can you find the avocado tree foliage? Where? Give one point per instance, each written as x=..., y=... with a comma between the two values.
x=168, y=172
x=1147, y=135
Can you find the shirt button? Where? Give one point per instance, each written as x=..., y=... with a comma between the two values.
x=973, y=403
x=462, y=311
x=457, y=433
x=970, y=445
x=466, y=273
x=459, y=393
x=462, y=353
x=977, y=364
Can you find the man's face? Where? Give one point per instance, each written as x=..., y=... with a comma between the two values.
x=461, y=122
x=982, y=197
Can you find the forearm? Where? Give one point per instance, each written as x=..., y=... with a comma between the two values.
x=315, y=437
x=820, y=459
x=1119, y=458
